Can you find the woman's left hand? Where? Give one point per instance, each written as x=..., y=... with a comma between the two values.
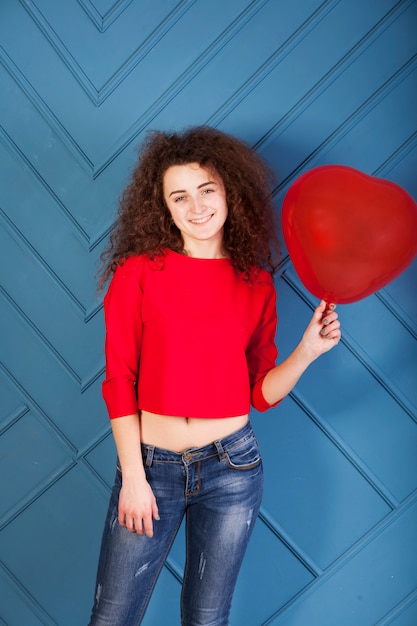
x=323, y=332
x=321, y=335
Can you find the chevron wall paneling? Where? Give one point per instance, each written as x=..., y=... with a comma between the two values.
x=306, y=83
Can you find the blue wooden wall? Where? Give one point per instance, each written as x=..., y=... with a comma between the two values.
x=306, y=82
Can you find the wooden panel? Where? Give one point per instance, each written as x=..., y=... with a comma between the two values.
x=365, y=586
x=305, y=82
x=57, y=536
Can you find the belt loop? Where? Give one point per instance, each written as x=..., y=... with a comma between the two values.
x=220, y=451
x=149, y=456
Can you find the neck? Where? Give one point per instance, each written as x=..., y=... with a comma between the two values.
x=205, y=250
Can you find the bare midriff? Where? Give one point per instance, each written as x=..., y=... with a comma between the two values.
x=182, y=433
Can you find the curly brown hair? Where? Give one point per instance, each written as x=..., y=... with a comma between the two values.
x=144, y=224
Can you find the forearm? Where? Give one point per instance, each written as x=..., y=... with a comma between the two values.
x=126, y=435
x=281, y=379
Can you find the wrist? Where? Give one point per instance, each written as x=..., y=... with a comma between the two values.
x=133, y=482
x=133, y=471
x=305, y=354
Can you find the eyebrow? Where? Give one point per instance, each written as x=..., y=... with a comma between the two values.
x=210, y=182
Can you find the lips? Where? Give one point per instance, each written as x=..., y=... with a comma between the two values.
x=202, y=220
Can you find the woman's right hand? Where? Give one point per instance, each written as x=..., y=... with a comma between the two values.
x=137, y=503
x=137, y=507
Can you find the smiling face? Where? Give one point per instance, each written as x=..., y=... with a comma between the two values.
x=196, y=199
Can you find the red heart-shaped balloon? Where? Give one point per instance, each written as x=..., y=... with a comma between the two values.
x=347, y=233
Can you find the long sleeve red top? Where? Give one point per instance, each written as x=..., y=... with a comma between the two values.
x=188, y=337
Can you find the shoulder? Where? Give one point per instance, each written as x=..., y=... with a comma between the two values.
x=128, y=275
x=262, y=287
x=261, y=278
x=136, y=264
x=131, y=264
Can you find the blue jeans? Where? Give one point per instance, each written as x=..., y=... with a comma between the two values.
x=219, y=489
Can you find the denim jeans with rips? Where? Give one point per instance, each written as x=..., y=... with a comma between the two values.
x=218, y=488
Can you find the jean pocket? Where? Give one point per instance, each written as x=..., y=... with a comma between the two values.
x=244, y=455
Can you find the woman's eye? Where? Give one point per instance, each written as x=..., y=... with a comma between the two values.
x=208, y=191
x=179, y=198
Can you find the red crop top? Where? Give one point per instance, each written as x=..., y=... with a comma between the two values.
x=187, y=337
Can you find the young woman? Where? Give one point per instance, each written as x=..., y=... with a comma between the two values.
x=190, y=329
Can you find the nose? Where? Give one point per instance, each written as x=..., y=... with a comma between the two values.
x=197, y=204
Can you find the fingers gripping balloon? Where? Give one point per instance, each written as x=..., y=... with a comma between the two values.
x=348, y=234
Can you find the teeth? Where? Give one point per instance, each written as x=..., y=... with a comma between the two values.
x=202, y=220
